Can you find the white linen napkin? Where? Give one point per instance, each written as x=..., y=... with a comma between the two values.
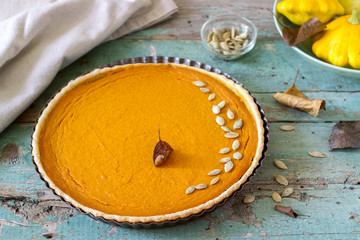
x=39, y=37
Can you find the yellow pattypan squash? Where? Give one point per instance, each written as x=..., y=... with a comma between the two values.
x=299, y=11
x=350, y=5
x=339, y=43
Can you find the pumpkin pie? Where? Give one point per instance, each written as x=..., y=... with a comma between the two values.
x=94, y=142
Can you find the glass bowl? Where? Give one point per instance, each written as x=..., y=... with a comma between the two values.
x=241, y=24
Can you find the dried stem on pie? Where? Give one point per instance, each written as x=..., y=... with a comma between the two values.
x=161, y=152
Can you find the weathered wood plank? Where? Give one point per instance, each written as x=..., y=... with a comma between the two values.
x=325, y=193
x=192, y=15
x=274, y=75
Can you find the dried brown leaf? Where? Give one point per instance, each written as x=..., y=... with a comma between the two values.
x=293, y=90
x=345, y=135
x=162, y=151
x=286, y=210
x=293, y=36
x=311, y=106
x=294, y=98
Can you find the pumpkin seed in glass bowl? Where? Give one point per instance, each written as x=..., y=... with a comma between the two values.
x=228, y=36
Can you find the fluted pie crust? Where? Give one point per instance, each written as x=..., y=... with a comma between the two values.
x=93, y=142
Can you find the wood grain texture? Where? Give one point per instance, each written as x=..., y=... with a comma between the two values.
x=326, y=191
x=192, y=15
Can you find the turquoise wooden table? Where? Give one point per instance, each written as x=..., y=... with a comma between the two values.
x=326, y=190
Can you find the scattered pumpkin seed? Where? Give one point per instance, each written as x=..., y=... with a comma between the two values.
x=281, y=179
x=237, y=156
x=231, y=135
x=214, y=181
x=211, y=97
x=287, y=192
x=226, y=129
x=280, y=164
x=230, y=114
x=225, y=159
x=220, y=121
x=224, y=150
x=248, y=199
x=201, y=186
x=228, y=166
x=236, y=145
x=214, y=172
x=287, y=128
x=190, y=189
x=199, y=83
x=205, y=90
x=238, y=124
x=317, y=154
x=276, y=197
x=215, y=109
x=221, y=104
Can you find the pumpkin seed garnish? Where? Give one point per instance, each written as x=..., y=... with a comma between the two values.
x=211, y=97
x=230, y=114
x=231, y=135
x=221, y=104
x=225, y=159
x=190, y=189
x=236, y=145
x=215, y=109
x=224, y=150
x=281, y=179
x=226, y=129
x=238, y=124
x=220, y=121
x=205, y=90
x=214, y=172
x=287, y=192
x=248, y=199
x=317, y=154
x=201, y=186
x=199, y=83
x=228, y=166
x=237, y=156
x=276, y=197
x=287, y=128
x=214, y=181
x=280, y=164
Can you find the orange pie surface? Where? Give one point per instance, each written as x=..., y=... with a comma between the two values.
x=96, y=141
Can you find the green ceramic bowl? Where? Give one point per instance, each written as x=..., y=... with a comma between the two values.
x=304, y=50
